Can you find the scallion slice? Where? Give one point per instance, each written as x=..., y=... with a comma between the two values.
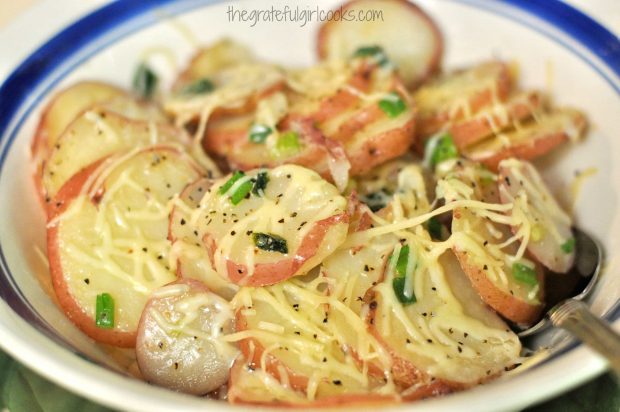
x=104, y=315
x=568, y=246
x=200, y=86
x=259, y=133
x=524, y=274
x=241, y=192
x=375, y=52
x=392, y=105
x=400, y=273
x=288, y=143
x=269, y=242
x=144, y=81
x=230, y=182
x=442, y=149
x=435, y=228
x=260, y=184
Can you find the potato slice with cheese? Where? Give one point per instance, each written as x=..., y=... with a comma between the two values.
x=107, y=235
x=493, y=259
x=94, y=135
x=289, y=330
x=496, y=118
x=211, y=59
x=410, y=39
x=359, y=118
x=180, y=341
x=265, y=226
x=441, y=336
x=192, y=259
x=460, y=94
x=249, y=385
x=532, y=139
x=549, y=236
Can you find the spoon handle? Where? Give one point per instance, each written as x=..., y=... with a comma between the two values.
x=576, y=318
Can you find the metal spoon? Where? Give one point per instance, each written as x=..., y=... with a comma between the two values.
x=565, y=308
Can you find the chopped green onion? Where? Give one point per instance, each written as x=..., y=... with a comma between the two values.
x=568, y=246
x=375, y=52
x=242, y=191
x=144, y=81
x=200, y=86
x=524, y=274
x=226, y=186
x=400, y=267
x=443, y=149
x=392, y=105
x=104, y=315
x=288, y=143
x=398, y=284
x=270, y=243
x=400, y=273
x=259, y=133
x=435, y=228
x=261, y=183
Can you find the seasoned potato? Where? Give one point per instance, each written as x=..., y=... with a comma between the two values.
x=180, y=338
x=264, y=227
x=497, y=118
x=94, y=135
x=192, y=259
x=488, y=253
x=296, y=333
x=442, y=338
x=107, y=234
x=460, y=94
x=407, y=35
x=550, y=237
x=533, y=139
x=361, y=118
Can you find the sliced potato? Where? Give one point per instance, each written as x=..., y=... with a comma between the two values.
x=271, y=225
x=94, y=135
x=251, y=386
x=497, y=118
x=550, y=238
x=486, y=248
x=192, y=259
x=297, y=334
x=209, y=60
x=531, y=140
x=179, y=344
x=108, y=233
x=440, y=343
x=460, y=94
x=409, y=37
x=342, y=133
x=66, y=106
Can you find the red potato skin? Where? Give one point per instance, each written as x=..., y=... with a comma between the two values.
x=362, y=400
x=433, y=65
x=407, y=374
x=271, y=273
x=71, y=308
x=431, y=124
x=74, y=312
x=503, y=303
x=253, y=351
x=526, y=151
x=471, y=131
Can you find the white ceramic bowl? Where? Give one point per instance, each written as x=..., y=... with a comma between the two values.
x=558, y=49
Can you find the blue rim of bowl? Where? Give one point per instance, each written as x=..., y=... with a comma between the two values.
x=36, y=70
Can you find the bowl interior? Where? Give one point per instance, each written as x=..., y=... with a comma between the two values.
x=473, y=32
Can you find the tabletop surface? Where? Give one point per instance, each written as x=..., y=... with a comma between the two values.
x=22, y=390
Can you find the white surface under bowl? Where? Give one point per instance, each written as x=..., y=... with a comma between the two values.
x=551, y=44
